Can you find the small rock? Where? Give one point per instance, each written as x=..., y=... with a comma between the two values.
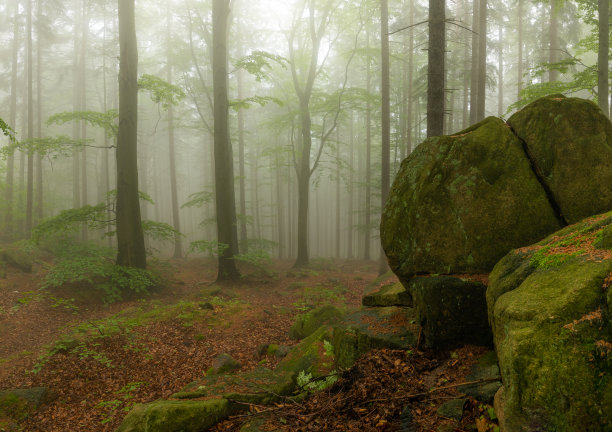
x=224, y=363
x=484, y=392
x=207, y=306
x=452, y=409
x=407, y=420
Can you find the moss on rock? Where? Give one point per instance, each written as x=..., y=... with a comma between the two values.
x=175, y=415
x=552, y=333
x=306, y=324
x=393, y=294
x=451, y=311
x=460, y=202
x=570, y=144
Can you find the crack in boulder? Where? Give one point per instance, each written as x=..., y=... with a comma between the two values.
x=550, y=196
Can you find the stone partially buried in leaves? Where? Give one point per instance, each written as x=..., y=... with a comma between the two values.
x=307, y=323
x=460, y=202
x=569, y=141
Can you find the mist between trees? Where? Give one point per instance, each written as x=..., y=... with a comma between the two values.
x=287, y=119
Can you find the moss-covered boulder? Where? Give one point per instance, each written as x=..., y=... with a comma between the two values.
x=459, y=203
x=569, y=141
x=549, y=308
x=307, y=323
x=391, y=294
x=381, y=327
x=451, y=311
x=313, y=355
x=175, y=415
x=16, y=256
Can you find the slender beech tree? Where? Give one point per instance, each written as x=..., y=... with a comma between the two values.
x=553, y=53
x=30, y=127
x=519, y=68
x=436, y=68
x=474, y=64
x=303, y=86
x=130, y=239
x=227, y=233
x=603, y=55
x=176, y=223
x=385, y=117
x=10, y=169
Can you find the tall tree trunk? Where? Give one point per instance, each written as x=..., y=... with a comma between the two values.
x=385, y=117
x=350, y=189
x=500, y=67
x=279, y=209
x=227, y=233
x=76, y=106
x=482, y=60
x=130, y=239
x=409, y=101
x=244, y=243
x=83, y=107
x=603, y=69
x=436, y=68
x=30, y=135
x=519, y=84
x=466, y=75
x=176, y=222
x=10, y=163
x=367, y=255
x=553, y=74
x=338, y=196
x=38, y=214
x=475, y=69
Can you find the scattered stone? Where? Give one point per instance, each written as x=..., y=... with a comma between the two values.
x=498, y=404
x=207, y=306
x=253, y=425
x=548, y=309
x=407, y=420
x=383, y=327
x=452, y=409
x=484, y=392
x=223, y=363
x=306, y=324
x=175, y=415
x=394, y=294
x=451, y=311
x=35, y=396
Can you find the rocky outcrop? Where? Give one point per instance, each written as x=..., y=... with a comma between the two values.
x=569, y=142
x=549, y=306
x=459, y=203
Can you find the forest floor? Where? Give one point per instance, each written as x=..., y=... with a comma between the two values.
x=99, y=360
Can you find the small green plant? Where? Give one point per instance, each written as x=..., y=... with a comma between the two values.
x=329, y=348
x=306, y=381
x=124, y=397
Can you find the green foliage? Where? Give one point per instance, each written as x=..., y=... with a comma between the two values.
x=125, y=397
x=69, y=221
x=52, y=147
x=94, y=265
x=161, y=91
x=160, y=231
x=212, y=247
x=237, y=105
x=198, y=199
x=258, y=61
x=13, y=407
x=105, y=120
x=306, y=382
x=7, y=131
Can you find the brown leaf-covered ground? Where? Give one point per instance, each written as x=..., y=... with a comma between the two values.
x=147, y=348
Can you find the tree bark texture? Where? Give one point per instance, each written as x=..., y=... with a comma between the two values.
x=227, y=234
x=435, y=68
x=603, y=54
x=130, y=239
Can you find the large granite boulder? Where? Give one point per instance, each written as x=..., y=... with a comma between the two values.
x=569, y=141
x=549, y=306
x=459, y=203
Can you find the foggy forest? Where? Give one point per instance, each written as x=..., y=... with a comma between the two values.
x=305, y=215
